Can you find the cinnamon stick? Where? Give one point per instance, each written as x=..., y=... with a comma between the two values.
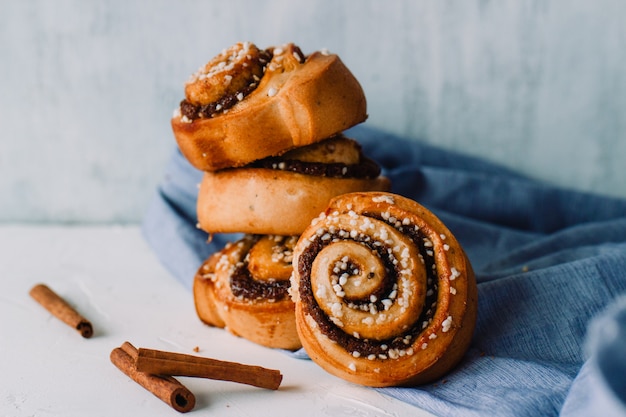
x=59, y=308
x=166, y=388
x=178, y=364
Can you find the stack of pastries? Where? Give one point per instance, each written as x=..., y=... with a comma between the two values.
x=265, y=126
x=373, y=285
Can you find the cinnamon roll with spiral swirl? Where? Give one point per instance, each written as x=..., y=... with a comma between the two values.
x=280, y=195
x=384, y=293
x=247, y=104
x=245, y=288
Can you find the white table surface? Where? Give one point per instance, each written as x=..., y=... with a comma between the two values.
x=110, y=276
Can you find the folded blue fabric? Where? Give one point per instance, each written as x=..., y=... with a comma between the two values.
x=550, y=264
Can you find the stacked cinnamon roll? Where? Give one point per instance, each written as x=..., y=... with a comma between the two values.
x=265, y=126
x=373, y=285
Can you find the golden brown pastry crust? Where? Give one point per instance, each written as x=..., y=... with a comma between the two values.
x=294, y=105
x=221, y=303
x=359, y=280
x=269, y=201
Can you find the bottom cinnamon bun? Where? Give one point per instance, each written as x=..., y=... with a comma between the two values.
x=384, y=293
x=245, y=288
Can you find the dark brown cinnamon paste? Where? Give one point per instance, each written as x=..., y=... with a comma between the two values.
x=366, y=169
x=243, y=285
x=193, y=111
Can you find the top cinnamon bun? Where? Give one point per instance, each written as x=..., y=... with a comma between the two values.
x=247, y=104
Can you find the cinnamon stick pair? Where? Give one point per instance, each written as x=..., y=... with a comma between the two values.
x=166, y=388
x=154, y=370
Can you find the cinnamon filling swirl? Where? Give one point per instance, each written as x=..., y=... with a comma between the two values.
x=247, y=76
x=249, y=281
x=197, y=111
x=242, y=285
x=335, y=157
x=366, y=169
x=377, y=301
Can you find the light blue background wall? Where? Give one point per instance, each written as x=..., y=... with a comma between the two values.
x=87, y=87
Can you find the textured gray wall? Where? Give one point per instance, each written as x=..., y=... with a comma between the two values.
x=87, y=87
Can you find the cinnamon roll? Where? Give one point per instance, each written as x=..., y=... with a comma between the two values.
x=247, y=104
x=384, y=293
x=245, y=288
x=281, y=195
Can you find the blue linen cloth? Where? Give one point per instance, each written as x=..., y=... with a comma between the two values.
x=550, y=265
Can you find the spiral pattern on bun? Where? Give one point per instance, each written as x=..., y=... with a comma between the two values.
x=384, y=293
x=231, y=116
x=245, y=288
x=229, y=73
